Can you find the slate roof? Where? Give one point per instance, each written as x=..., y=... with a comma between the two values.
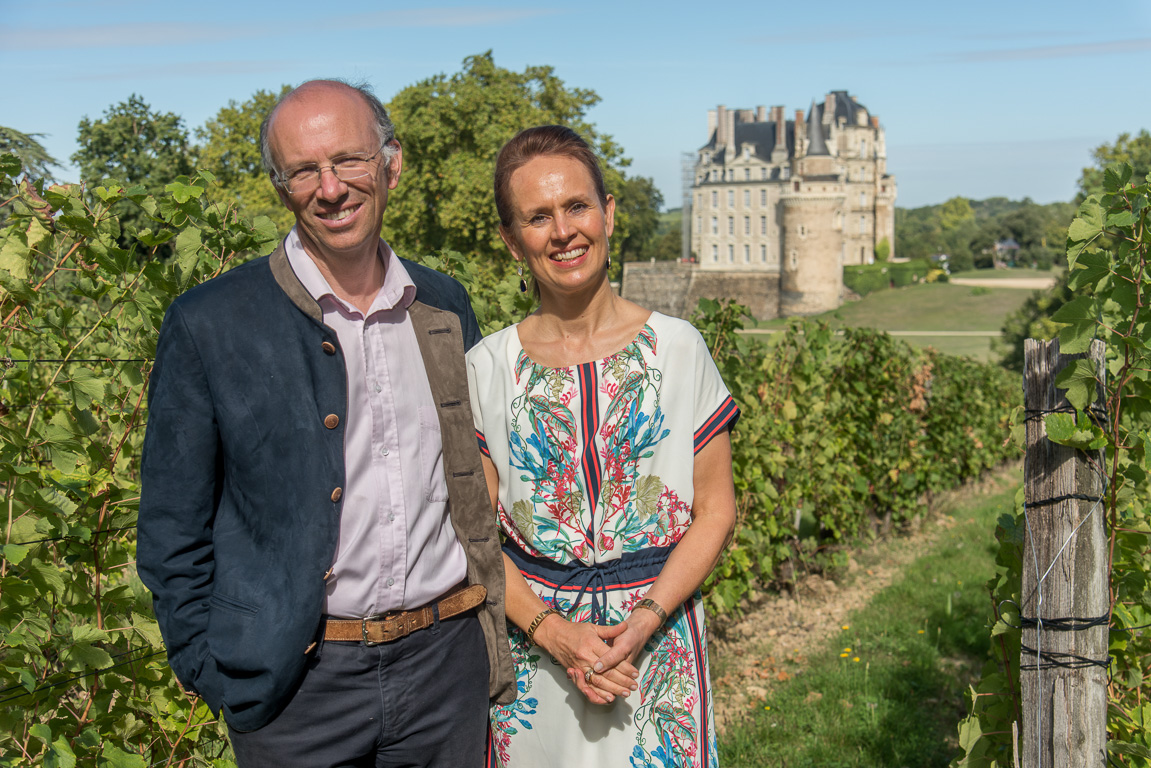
x=760, y=135
x=815, y=141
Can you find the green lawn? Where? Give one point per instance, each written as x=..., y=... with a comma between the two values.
x=931, y=307
x=888, y=690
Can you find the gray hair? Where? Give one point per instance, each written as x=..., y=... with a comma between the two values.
x=383, y=124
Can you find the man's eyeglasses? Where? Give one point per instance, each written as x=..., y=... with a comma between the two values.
x=307, y=178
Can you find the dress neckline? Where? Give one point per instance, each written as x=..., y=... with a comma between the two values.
x=524, y=353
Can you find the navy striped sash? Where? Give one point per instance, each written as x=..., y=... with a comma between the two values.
x=630, y=570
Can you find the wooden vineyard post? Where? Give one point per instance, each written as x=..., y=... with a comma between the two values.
x=1064, y=607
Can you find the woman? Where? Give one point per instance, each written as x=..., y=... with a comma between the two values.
x=605, y=433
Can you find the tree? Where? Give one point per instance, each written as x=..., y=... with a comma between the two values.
x=640, y=201
x=955, y=212
x=37, y=163
x=1126, y=149
x=882, y=249
x=669, y=245
x=452, y=127
x=135, y=146
x=229, y=149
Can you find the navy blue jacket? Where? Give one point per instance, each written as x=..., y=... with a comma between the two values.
x=240, y=506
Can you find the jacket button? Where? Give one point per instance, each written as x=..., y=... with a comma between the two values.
x=328, y=575
x=329, y=347
x=309, y=648
x=331, y=421
x=336, y=494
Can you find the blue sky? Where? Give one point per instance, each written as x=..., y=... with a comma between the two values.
x=978, y=98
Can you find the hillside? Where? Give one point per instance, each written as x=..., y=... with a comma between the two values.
x=955, y=319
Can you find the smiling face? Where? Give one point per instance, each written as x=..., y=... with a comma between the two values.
x=558, y=226
x=322, y=122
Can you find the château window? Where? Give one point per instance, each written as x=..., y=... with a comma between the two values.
x=794, y=259
x=747, y=198
x=763, y=173
x=763, y=253
x=763, y=225
x=731, y=225
x=747, y=225
x=862, y=199
x=731, y=198
x=802, y=231
x=715, y=253
x=731, y=254
x=715, y=225
x=746, y=174
x=862, y=224
x=714, y=199
x=698, y=223
x=763, y=197
x=747, y=254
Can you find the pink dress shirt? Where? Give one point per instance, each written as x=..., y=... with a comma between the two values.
x=397, y=548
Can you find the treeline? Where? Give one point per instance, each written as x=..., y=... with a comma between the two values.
x=967, y=231
x=450, y=126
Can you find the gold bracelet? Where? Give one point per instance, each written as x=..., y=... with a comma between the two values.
x=654, y=607
x=531, y=633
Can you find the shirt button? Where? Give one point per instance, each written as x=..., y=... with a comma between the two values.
x=337, y=494
x=391, y=581
x=391, y=516
x=384, y=451
x=331, y=421
x=328, y=347
x=378, y=387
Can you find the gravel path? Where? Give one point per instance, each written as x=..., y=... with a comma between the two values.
x=1028, y=283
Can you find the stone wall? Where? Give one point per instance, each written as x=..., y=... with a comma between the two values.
x=675, y=288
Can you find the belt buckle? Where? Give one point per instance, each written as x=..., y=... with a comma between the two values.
x=364, y=630
x=380, y=617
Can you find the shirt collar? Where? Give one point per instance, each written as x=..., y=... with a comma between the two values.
x=398, y=290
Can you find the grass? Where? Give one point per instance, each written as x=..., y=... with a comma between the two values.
x=888, y=691
x=931, y=307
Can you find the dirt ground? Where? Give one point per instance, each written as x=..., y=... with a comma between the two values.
x=778, y=631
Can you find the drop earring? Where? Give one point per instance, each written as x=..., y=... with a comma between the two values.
x=523, y=283
x=608, y=262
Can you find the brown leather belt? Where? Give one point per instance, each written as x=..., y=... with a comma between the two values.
x=393, y=625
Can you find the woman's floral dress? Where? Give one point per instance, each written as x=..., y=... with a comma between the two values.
x=595, y=467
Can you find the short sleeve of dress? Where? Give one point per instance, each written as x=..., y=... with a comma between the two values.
x=715, y=410
x=473, y=361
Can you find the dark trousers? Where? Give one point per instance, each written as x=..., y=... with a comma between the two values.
x=419, y=701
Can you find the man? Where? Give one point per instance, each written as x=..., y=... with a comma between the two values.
x=314, y=525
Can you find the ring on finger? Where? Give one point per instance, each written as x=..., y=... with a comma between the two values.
x=587, y=675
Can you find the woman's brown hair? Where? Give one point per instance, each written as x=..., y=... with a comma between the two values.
x=531, y=143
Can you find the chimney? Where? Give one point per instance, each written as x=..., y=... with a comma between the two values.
x=746, y=116
x=800, y=133
x=721, y=119
x=875, y=122
x=828, y=108
x=729, y=133
x=780, y=127
x=761, y=114
x=710, y=122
